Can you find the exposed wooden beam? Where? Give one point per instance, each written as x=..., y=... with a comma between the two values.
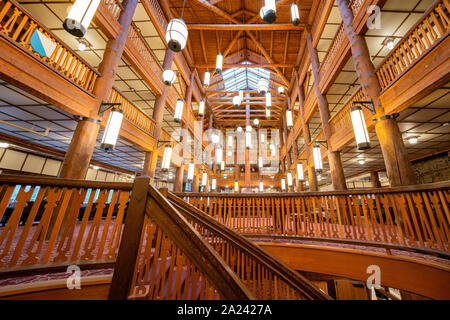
x=202, y=42
x=234, y=27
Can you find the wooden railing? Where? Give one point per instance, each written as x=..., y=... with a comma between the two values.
x=265, y=276
x=430, y=30
x=405, y=217
x=114, y=7
x=17, y=25
x=132, y=112
x=342, y=117
x=48, y=221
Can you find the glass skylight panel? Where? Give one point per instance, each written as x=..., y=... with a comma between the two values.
x=236, y=79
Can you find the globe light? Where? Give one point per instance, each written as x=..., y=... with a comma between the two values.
x=256, y=122
x=390, y=44
x=239, y=129
x=263, y=86
x=176, y=35
x=236, y=101
x=82, y=45
x=280, y=90
x=80, y=17
x=169, y=77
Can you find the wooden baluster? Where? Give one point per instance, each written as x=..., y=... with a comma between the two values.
x=408, y=229
x=439, y=204
x=367, y=200
x=20, y=27
x=114, y=239
x=106, y=224
x=5, y=9
x=430, y=233
x=6, y=193
x=321, y=221
x=327, y=216
x=359, y=227
x=276, y=216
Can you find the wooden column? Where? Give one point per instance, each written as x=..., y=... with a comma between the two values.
x=195, y=183
x=312, y=176
x=147, y=163
x=178, y=185
x=375, y=179
x=78, y=156
x=298, y=184
x=334, y=156
x=287, y=158
x=158, y=113
x=398, y=167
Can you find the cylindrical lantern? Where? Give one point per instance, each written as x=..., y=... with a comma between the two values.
x=295, y=14
x=359, y=128
x=261, y=186
x=263, y=86
x=236, y=186
x=283, y=184
x=167, y=157
x=236, y=101
x=256, y=122
x=317, y=154
x=176, y=35
x=213, y=184
x=289, y=179
x=207, y=79
x=169, y=77
x=268, y=100
x=112, y=129
x=289, y=120
x=204, y=179
x=280, y=90
x=230, y=141
x=80, y=17
x=248, y=139
x=300, y=172
x=260, y=162
x=178, y=110
x=263, y=138
x=268, y=11
x=267, y=114
x=219, y=155
x=201, y=108
x=190, y=175
x=222, y=165
x=219, y=63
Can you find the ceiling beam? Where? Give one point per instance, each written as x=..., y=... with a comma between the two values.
x=235, y=27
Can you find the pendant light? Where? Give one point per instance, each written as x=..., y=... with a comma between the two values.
x=206, y=79
x=241, y=95
x=295, y=14
x=219, y=63
x=236, y=101
x=267, y=114
x=263, y=86
x=317, y=155
x=80, y=17
x=167, y=157
x=112, y=129
x=222, y=166
x=261, y=186
x=239, y=129
x=268, y=11
x=289, y=120
x=219, y=155
x=213, y=184
x=204, y=179
x=268, y=100
x=230, y=141
x=201, y=108
x=280, y=90
x=169, y=77
x=300, y=172
x=236, y=186
x=359, y=128
x=190, y=175
x=283, y=184
x=177, y=33
x=289, y=179
x=248, y=137
x=178, y=110
x=256, y=122
x=260, y=162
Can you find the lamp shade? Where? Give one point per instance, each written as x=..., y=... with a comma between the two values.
x=268, y=11
x=206, y=79
x=359, y=128
x=169, y=77
x=112, y=129
x=176, y=35
x=289, y=179
x=268, y=100
x=213, y=184
x=219, y=63
x=222, y=166
x=289, y=120
x=201, y=108
x=261, y=186
x=248, y=139
x=260, y=162
x=236, y=186
x=236, y=101
x=263, y=86
x=256, y=122
x=167, y=157
x=219, y=155
x=283, y=184
x=239, y=129
x=178, y=110
x=267, y=114
x=190, y=174
x=80, y=17
x=317, y=155
x=295, y=14
x=204, y=179
x=300, y=175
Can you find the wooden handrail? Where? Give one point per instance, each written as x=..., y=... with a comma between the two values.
x=18, y=26
x=294, y=280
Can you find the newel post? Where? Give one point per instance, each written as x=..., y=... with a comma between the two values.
x=129, y=246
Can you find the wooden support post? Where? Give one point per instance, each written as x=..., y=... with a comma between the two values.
x=334, y=157
x=79, y=154
x=147, y=163
x=398, y=167
x=195, y=183
x=178, y=186
x=129, y=246
x=375, y=179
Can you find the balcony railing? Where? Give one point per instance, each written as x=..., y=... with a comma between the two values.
x=114, y=7
x=17, y=26
x=432, y=28
x=133, y=113
x=413, y=217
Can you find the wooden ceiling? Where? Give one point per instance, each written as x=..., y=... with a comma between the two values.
x=235, y=29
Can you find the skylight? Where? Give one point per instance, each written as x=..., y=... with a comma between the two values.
x=236, y=79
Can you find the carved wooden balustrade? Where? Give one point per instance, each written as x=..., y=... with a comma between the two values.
x=17, y=26
x=45, y=221
x=406, y=217
x=433, y=27
x=132, y=112
x=114, y=7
